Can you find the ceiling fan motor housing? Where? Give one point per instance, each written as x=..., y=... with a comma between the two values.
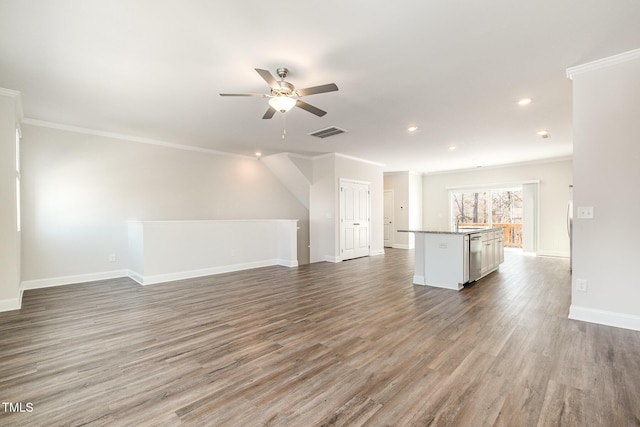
x=285, y=89
x=282, y=72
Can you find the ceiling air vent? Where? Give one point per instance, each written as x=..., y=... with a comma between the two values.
x=327, y=132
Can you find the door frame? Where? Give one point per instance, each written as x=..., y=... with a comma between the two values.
x=340, y=219
x=391, y=216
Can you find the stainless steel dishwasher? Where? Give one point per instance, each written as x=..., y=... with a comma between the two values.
x=475, y=256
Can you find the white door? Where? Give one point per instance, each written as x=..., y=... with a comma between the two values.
x=388, y=218
x=354, y=219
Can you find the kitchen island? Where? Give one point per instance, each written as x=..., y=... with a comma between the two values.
x=451, y=259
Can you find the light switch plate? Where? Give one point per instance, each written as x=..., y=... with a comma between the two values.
x=585, y=212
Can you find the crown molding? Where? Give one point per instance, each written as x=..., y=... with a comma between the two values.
x=603, y=63
x=409, y=172
x=357, y=159
x=504, y=165
x=344, y=156
x=17, y=96
x=122, y=137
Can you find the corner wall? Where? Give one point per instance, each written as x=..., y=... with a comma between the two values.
x=324, y=204
x=322, y=210
x=10, y=291
x=606, y=111
x=408, y=206
x=79, y=191
x=359, y=170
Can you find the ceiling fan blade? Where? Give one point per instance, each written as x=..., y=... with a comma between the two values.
x=269, y=113
x=310, y=108
x=331, y=87
x=268, y=77
x=259, y=95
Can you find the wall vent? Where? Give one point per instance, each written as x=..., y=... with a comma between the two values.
x=327, y=132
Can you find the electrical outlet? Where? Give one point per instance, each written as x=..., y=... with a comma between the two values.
x=585, y=212
x=581, y=285
x=112, y=258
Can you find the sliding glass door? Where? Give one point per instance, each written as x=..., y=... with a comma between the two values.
x=496, y=207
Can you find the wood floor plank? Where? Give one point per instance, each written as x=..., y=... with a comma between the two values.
x=347, y=344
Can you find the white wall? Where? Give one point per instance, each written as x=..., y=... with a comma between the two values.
x=408, y=205
x=416, y=205
x=322, y=210
x=399, y=183
x=324, y=203
x=80, y=189
x=9, y=235
x=415, y=200
x=162, y=251
x=554, y=176
x=606, y=126
x=358, y=170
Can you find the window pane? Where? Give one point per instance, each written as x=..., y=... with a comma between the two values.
x=470, y=207
x=507, y=207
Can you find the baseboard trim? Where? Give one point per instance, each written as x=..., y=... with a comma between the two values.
x=11, y=304
x=376, y=253
x=69, y=280
x=135, y=276
x=602, y=317
x=400, y=246
x=191, y=274
x=328, y=258
x=418, y=280
x=291, y=263
x=554, y=254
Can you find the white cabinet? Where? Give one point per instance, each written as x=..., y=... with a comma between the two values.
x=492, y=250
x=499, y=247
x=488, y=252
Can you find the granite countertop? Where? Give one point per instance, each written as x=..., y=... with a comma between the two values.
x=460, y=232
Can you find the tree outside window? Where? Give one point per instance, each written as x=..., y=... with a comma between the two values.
x=490, y=208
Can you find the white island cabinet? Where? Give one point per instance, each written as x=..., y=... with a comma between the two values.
x=444, y=259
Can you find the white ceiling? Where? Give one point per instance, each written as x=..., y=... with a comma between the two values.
x=154, y=69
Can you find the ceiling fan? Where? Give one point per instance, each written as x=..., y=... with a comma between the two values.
x=284, y=95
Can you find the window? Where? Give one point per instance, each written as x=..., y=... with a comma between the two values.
x=490, y=208
x=470, y=208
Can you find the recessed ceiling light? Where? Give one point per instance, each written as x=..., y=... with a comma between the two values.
x=525, y=101
x=258, y=154
x=412, y=129
x=543, y=133
x=452, y=147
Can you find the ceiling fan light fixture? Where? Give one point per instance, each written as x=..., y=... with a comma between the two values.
x=282, y=103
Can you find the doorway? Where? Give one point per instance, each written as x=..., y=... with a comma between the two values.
x=355, y=203
x=388, y=219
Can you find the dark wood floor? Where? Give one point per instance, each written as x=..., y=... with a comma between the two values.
x=351, y=344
